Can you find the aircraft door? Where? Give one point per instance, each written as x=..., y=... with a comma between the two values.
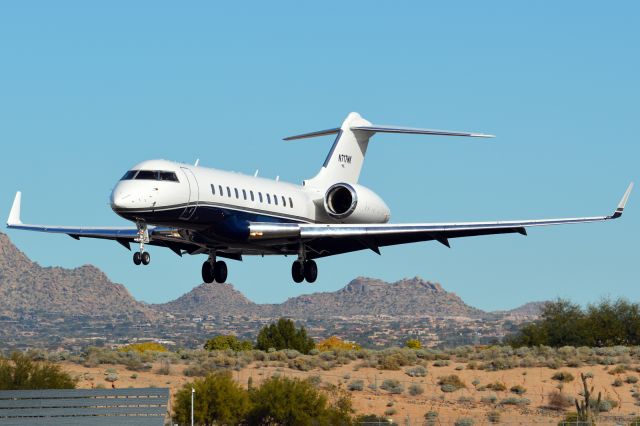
x=194, y=194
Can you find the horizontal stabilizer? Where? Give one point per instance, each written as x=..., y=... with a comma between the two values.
x=313, y=134
x=415, y=131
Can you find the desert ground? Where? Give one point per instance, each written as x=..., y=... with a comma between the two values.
x=473, y=401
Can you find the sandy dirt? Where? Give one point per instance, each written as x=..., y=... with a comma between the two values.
x=536, y=380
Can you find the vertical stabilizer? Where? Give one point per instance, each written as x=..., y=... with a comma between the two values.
x=344, y=161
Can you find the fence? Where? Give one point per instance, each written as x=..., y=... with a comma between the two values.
x=92, y=407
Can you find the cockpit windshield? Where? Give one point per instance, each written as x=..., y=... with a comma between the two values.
x=150, y=175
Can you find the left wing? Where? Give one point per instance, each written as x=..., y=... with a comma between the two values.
x=328, y=239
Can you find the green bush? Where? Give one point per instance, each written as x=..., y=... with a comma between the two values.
x=20, y=372
x=356, y=385
x=497, y=386
x=489, y=399
x=451, y=383
x=493, y=416
x=218, y=400
x=225, y=342
x=464, y=421
x=417, y=371
x=512, y=400
x=518, y=390
x=284, y=335
x=563, y=376
x=284, y=401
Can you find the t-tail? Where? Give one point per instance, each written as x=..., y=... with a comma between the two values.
x=346, y=157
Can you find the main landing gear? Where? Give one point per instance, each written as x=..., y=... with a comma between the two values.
x=142, y=257
x=304, y=270
x=214, y=270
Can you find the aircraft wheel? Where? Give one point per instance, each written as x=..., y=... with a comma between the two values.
x=220, y=271
x=207, y=273
x=137, y=258
x=297, y=272
x=146, y=258
x=310, y=271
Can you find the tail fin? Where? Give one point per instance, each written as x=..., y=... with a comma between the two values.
x=345, y=160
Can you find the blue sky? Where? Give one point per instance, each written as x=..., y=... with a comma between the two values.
x=88, y=90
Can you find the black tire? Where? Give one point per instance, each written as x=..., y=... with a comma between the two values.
x=310, y=271
x=220, y=271
x=297, y=272
x=146, y=258
x=207, y=273
x=137, y=258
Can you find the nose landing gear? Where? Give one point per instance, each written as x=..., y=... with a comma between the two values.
x=142, y=257
x=213, y=270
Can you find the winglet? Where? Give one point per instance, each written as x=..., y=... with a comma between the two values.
x=14, y=215
x=622, y=203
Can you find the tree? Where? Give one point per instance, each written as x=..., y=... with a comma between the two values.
x=20, y=372
x=284, y=335
x=218, y=400
x=284, y=401
x=143, y=347
x=224, y=342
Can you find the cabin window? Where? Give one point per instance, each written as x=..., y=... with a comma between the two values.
x=220, y=190
x=236, y=191
x=251, y=194
x=213, y=189
x=260, y=196
x=275, y=199
x=284, y=202
x=290, y=202
x=244, y=194
x=268, y=199
x=228, y=192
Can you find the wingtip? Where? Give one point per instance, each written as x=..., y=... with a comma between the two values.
x=623, y=202
x=14, y=214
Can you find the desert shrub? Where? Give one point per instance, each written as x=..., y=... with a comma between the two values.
x=563, y=376
x=631, y=380
x=464, y=421
x=417, y=371
x=334, y=342
x=554, y=363
x=518, y=390
x=390, y=411
x=143, y=347
x=134, y=376
x=493, y=417
x=572, y=419
x=111, y=377
x=497, y=386
x=559, y=400
x=451, y=382
x=315, y=380
x=356, y=385
x=441, y=363
x=165, y=368
x=618, y=369
x=220, y=400
x=392, y=386
x=20, y=372
x=284, y=335
x=303, y=363
x=635, y=421
x=413, y=344
x=224, y=342
x=512, y=400
x=464, y=399
x=617, y=383
x=605, y=406
x=372, y=419
x=415, y=390
x=489, y=399
x=287, y=401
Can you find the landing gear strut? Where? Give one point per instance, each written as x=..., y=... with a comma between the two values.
x=142, y=257
x=214, y=270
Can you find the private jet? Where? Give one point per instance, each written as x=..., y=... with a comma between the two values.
x=225, y=215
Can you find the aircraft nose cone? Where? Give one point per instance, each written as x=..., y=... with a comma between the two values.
x=120, y=199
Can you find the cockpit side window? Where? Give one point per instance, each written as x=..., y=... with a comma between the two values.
x=129, y=175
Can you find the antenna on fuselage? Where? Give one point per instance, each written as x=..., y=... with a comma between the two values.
x=256, y=173
x=197, y=162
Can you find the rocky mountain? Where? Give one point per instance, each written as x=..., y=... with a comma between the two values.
x=531, y=309
x=211, y=299
x=28, y=288
x=368, y=296
x=362, y=296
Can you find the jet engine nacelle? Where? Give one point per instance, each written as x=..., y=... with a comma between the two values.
x=349, y=203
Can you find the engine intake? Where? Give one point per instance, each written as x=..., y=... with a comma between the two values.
x=340, y=200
